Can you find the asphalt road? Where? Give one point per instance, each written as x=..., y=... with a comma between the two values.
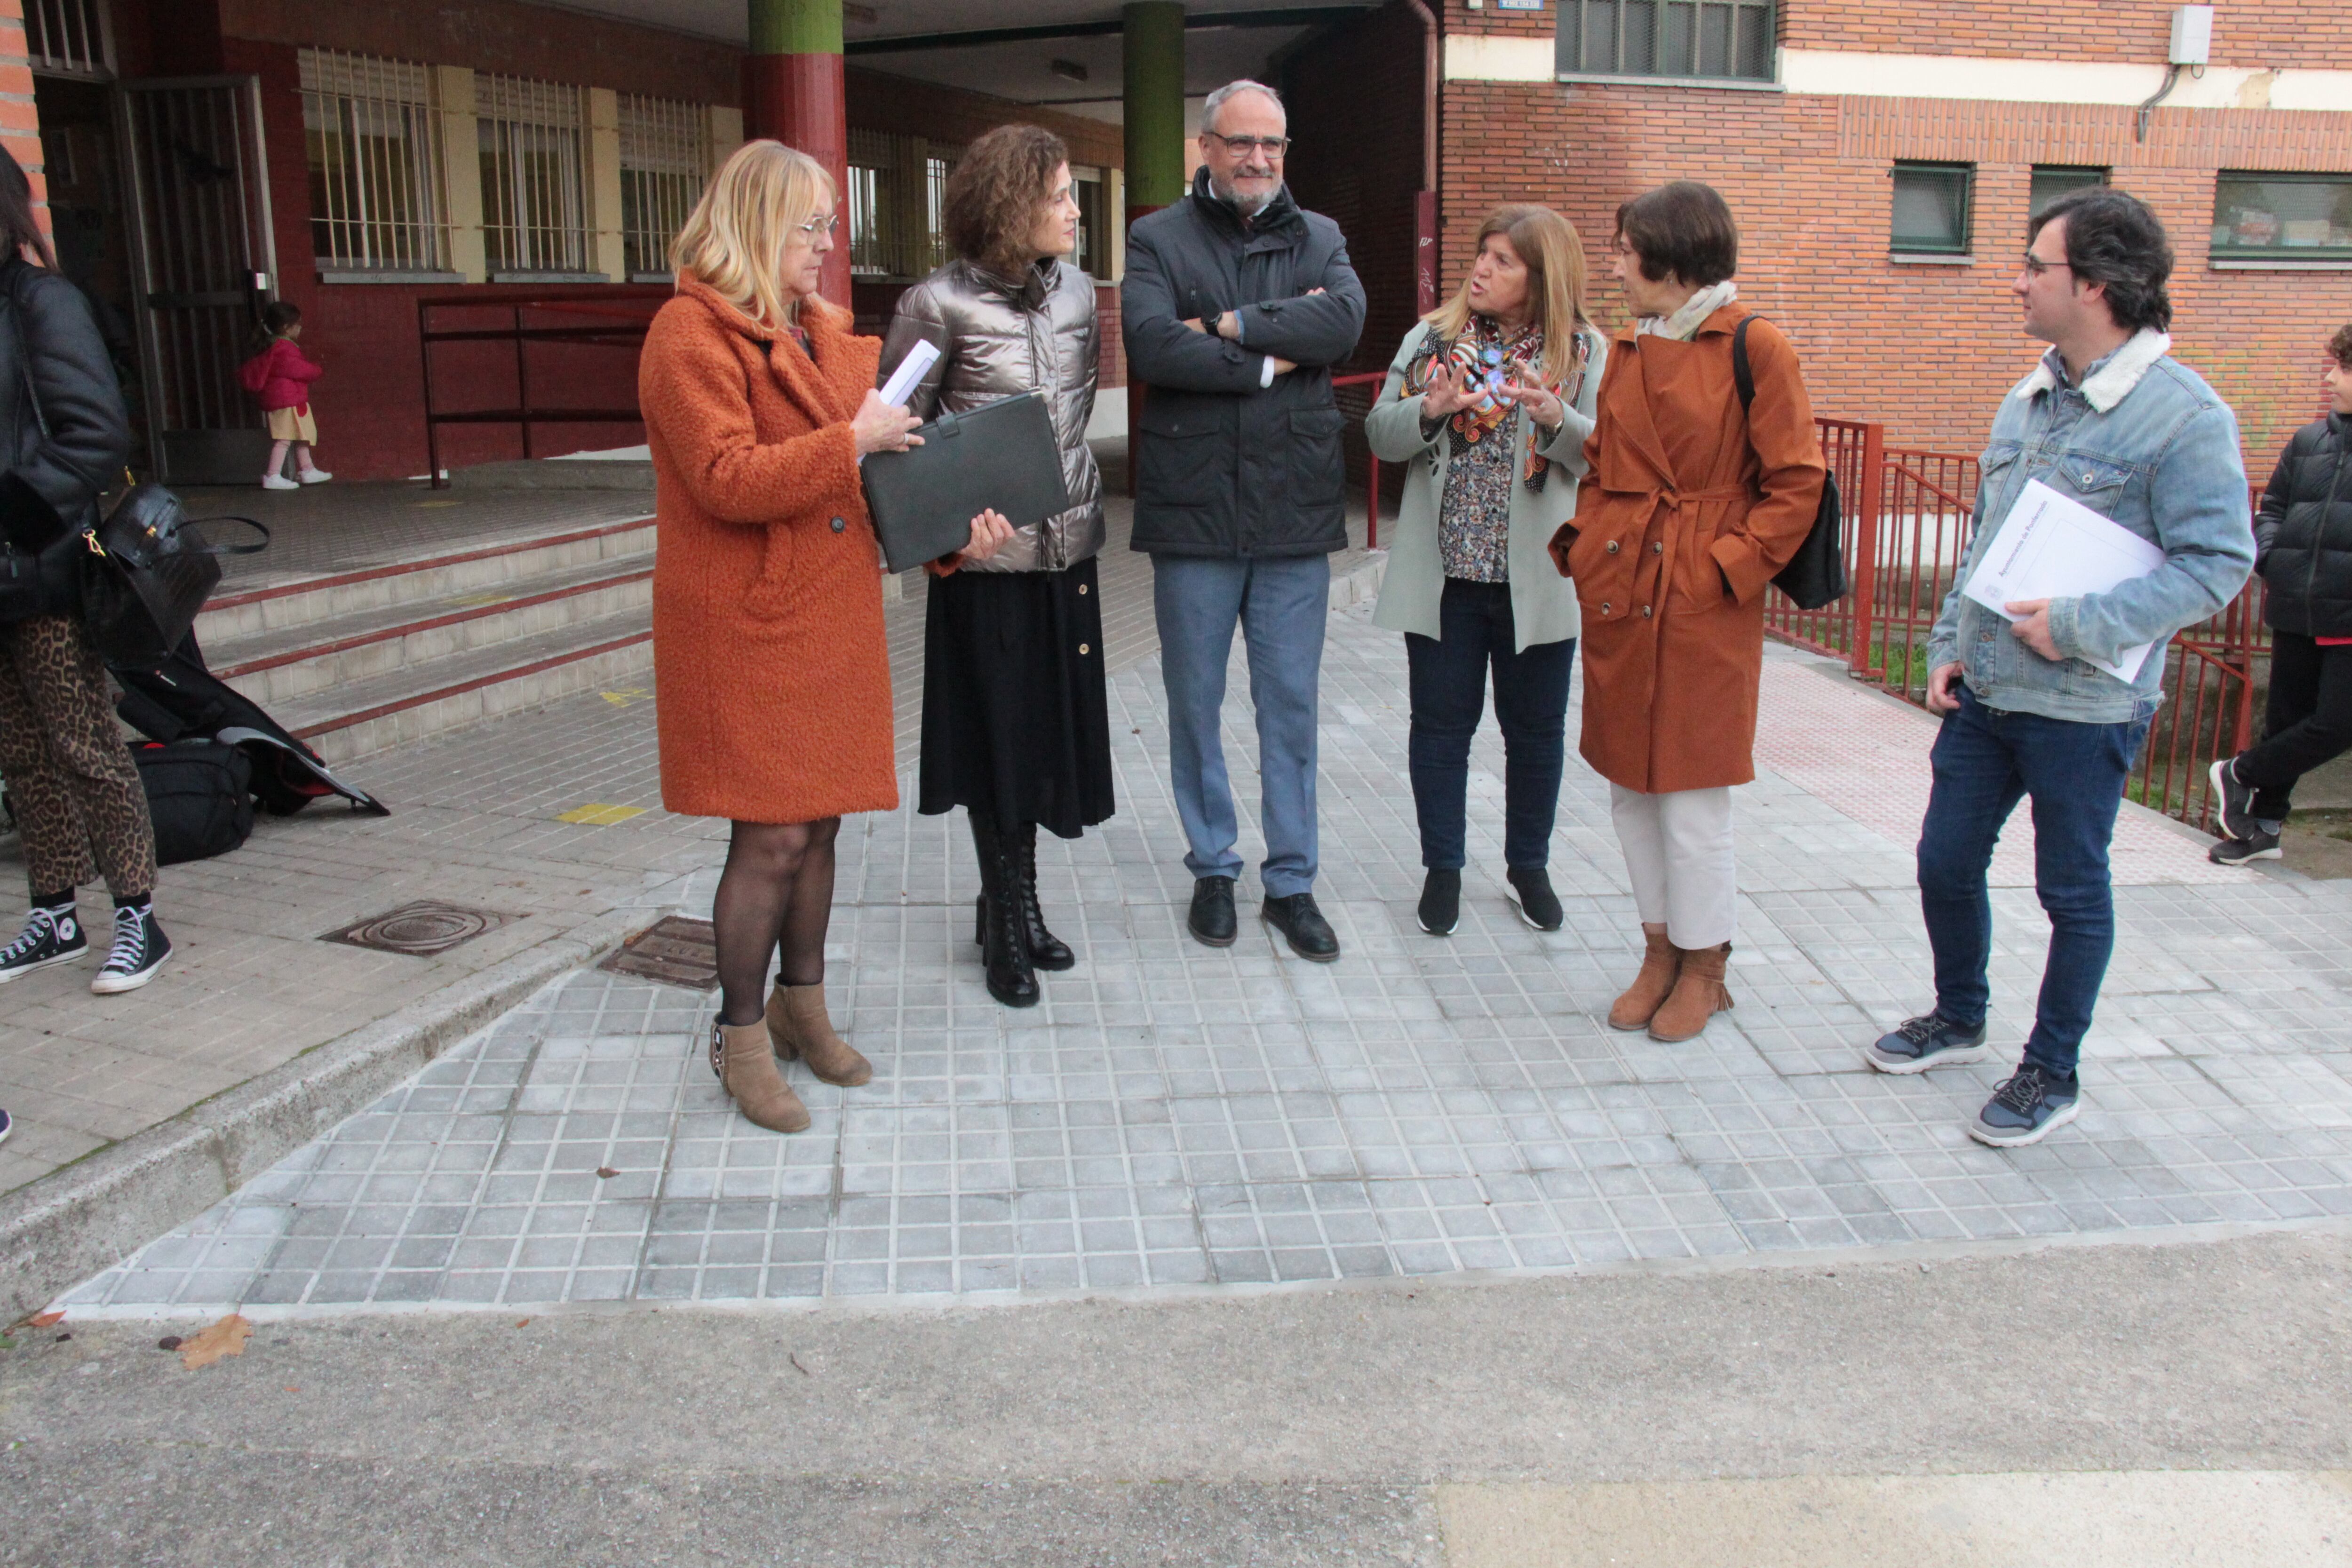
x=1401, y=1424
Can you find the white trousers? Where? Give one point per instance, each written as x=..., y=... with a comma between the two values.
x=1679, y=853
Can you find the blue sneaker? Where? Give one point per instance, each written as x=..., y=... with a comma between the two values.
x=1915, y=1045
x=2025, y=1107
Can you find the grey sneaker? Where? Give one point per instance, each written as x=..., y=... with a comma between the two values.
x=2025, y=1108
x=1915, y=1045
x=2238, y=851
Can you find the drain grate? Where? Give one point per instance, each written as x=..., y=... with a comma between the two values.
x=674, y=951
x=420, y=930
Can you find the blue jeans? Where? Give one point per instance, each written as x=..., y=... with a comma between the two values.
x=1448, y=675
x=1985, y=760
x=1281, y=605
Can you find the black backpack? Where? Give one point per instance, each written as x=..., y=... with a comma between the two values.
x=1815, y=574
x=200, y=793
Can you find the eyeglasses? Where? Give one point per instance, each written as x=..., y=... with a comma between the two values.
x=2036, y=267
x=817, y=225
x=1272, y=146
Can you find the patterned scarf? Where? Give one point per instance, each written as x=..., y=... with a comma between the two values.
x=1489, y=355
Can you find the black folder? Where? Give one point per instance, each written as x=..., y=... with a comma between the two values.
x=1001, y=455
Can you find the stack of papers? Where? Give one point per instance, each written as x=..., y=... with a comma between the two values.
x=2053, y=547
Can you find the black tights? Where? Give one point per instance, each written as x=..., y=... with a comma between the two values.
x=777, y=889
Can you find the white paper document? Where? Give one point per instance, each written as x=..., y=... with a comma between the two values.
x=2053, y=547
x=910, y=370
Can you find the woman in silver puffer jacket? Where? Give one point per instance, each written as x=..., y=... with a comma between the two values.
x=1015, y=728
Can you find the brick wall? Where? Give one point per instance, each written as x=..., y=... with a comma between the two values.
x=1928, y=350
x=20, y=126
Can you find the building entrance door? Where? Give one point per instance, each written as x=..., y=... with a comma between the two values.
x=204, y=263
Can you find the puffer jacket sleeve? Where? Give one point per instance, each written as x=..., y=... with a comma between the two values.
x=87, y=440
x=920, y=317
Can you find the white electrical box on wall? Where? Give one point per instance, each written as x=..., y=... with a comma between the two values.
x=2192, y=35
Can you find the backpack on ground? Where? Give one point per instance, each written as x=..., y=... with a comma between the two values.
x=200, y=795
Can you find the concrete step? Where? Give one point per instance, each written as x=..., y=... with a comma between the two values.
x=490, y=568
x=278, y=665
x=472, y=686
x=556, y=474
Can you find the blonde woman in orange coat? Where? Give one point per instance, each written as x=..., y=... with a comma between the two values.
x=772, y=674
x=1690, y=505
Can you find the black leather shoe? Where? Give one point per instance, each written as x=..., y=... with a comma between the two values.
x=1302, y=924
x=1531, y=892
x=1212, y=920
x=1441, y=902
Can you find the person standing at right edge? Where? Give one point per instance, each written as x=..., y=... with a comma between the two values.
x=2302, y=551
x=1236, y=303
x=79, y=803
x=2108, y=418
x=1690, y=505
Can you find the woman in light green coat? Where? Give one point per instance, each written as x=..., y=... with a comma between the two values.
x=1487, y=405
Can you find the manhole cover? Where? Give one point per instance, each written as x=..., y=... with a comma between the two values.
x=674, y=951
x=421, y=930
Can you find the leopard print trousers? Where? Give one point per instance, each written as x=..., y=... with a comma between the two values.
x=80, y=805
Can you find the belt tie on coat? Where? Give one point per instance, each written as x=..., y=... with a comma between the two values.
x=1648, y=574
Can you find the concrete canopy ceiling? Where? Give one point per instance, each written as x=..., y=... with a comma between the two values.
x=1023, y=70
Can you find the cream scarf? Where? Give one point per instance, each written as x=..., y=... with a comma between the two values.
x=1683, y=324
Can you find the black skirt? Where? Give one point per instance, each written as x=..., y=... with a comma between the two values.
x=1015, y=722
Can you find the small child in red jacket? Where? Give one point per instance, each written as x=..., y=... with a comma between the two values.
x=280, y=377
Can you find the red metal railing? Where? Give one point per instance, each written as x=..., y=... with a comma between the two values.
x=1372, y=464
x=606, y=317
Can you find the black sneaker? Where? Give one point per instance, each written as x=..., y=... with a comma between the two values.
x=2233, y=802
x=1531, y=894
x=1302, y=924
x=50, y=936
x=2025, y=1107
x=2238, y=851
x=139, y=948
x=1441, y=902
x=1212, y=920
x=1915, y=1045
x=6, y=1126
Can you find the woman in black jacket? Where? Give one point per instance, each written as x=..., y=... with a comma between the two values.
x=78, y=804
x=2303, y=550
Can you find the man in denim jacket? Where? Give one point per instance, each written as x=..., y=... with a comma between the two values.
x=2111, y=419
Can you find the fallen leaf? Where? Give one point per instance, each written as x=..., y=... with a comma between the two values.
x=168, y=1343
x=606, y=1172
x=293, y=1388
x=46, y=1318
x=522, y=1322
x=226, y=1337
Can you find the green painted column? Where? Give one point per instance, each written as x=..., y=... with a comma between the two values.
x=793, y=92
x=1153, y=37
x=795, y=26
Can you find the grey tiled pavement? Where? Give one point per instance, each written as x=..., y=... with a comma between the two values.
x=1177, y=1117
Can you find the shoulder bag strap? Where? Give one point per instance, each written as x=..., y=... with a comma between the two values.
x=1742, y=376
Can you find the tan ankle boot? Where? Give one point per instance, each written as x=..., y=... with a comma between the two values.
x=747, y=1068
x=1661, y=962
x=1700, y=994
x=799, y=1024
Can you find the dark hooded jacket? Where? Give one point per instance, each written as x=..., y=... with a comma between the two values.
x=2303, y=533
x=1226, y=466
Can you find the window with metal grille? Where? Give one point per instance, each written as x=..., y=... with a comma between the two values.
x=664, y=158
x=936, y=169
x=534, y=198
x=1931, y=209
x=1681, y=38
x=877, y=227
x=374, y=147
x=68, y=38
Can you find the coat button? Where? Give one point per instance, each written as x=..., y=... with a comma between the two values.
x=1658, y=548
x=1082, y=587
x=1083, y=649
x=1604, y=606
x=838, y=525
x=1613, y=547
x=1645, y=611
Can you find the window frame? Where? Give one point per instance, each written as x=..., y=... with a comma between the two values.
x=2106, y=176
x=1573, y=36
x=343, y=94
x=2282, y=257
x=539, y=130
x=1897, y=247
x=664, y=160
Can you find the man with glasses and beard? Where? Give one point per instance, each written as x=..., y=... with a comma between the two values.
x=1236, y=303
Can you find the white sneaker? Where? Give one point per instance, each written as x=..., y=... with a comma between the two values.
x=277, y=482
x=314, y=477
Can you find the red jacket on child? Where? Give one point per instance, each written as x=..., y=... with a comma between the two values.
x=279, y=376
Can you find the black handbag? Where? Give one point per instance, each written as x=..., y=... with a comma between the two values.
x=1815, y=574
x=199, y=797
x=145, y=575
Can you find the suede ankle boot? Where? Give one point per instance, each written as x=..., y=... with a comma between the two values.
x=745, y=1061
x=1661, y=963
x=800, y=1027
x=1699, y=994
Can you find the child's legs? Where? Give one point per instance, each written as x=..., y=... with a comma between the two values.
x=303, y=460
x=277, y=464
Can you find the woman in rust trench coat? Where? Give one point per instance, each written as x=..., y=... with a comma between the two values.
x=1690, y=506
x=770, y=669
